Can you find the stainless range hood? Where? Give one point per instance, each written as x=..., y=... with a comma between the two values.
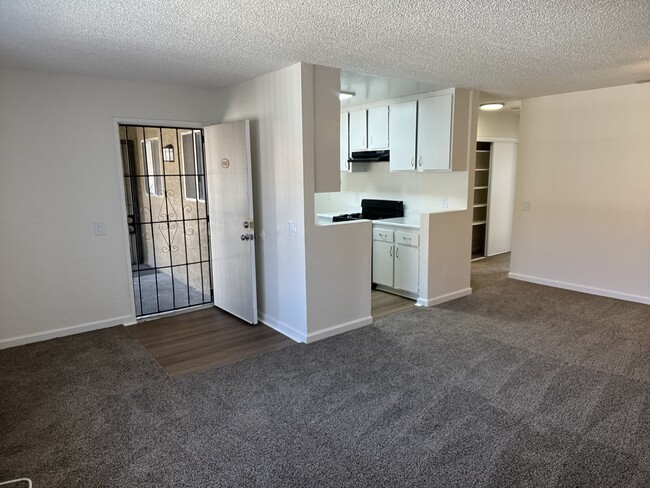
x=369, y=156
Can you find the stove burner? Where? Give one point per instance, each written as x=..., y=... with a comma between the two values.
x=374, y=210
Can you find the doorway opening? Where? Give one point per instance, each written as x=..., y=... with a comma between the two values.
x=167, y=215
x=494, y=198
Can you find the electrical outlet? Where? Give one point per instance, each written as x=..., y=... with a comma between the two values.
x=100, y=228
x=445, y=202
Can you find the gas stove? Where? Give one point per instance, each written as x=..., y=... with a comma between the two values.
x=374, y=210
x=346, y=217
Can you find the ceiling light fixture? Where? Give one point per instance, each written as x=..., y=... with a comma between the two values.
x=344, y=95
x=492, y=106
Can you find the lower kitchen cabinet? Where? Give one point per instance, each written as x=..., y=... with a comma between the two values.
x=382, y=263
x=396, y=260
x=407, y=264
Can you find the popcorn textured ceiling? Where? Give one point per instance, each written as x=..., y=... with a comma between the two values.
x=512, y=48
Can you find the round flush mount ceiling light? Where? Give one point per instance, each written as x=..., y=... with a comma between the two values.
x=492, y=106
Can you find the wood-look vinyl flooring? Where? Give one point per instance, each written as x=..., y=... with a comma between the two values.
x=386, y=303
x=205, y=339
x=211, y=338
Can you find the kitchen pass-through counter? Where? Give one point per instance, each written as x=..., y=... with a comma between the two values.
x=405, y=261
x=412, y=222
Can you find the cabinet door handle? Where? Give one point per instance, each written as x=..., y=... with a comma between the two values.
x=413, y=162
x=420, y=161
x=371, y=140
x=364, y=141
x=397, y=252
x=390, y=252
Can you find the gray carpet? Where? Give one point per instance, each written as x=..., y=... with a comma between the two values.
x=515, y=385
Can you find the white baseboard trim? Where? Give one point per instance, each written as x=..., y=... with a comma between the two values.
x=430, y=302
x=338, y=329
x=581, y=288
x=281, y=327
x=62, y=332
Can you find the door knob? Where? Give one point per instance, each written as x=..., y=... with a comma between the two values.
x=246, y=225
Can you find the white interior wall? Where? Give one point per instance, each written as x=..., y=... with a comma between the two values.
x=421, y=192
x=446, y=237
x=60, y=170
x=339, y=278
x=583, y=165
x=445, y=250
x=500, y=124
x=273, y=104
x=338, y=255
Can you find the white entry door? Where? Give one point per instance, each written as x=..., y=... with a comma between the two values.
x=232, y=236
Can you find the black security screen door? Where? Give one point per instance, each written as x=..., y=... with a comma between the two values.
x=164, y=183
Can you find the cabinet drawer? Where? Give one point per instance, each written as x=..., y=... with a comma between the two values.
x=386, y=235
x=407, y=238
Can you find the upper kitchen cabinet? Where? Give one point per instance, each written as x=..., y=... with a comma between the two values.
x=378, y=127
x=358, y=130
x=439, y=118
x=369, y=129
x=426, y=132
x=434, y=133
x=402, y=129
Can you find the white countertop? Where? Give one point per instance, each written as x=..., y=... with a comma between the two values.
x=410, y=222
x=328, y=215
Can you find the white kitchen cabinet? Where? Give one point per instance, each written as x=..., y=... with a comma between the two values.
x=402, y=130
x=358, y=130
x=345, y=142
x=378, y=128
x=396, y=260
x=407, y=264
x=382, y=263
x=434, y=133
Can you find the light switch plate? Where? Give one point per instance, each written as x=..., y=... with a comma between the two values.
x=526, y=205
x=293, y=230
